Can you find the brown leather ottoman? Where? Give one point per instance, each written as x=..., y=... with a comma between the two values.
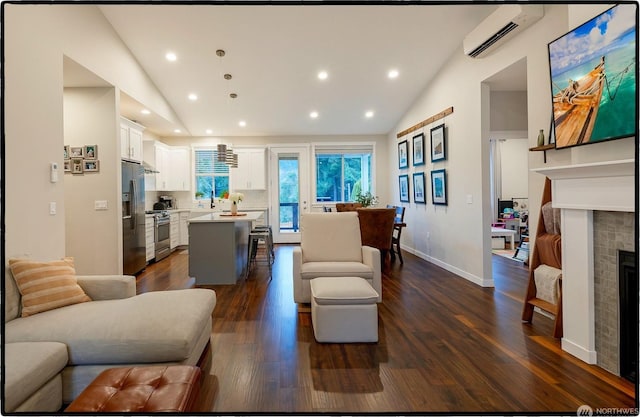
x=141, y=389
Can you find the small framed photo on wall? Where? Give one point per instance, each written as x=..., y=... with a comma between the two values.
x=438, y=144
x=76, y=152
x=91, y=152
x=439, y=186
x=418, y=149
x=418, y=188
x=404, y=188
x=91, y=165
x=403, y=154
x=66, y=152
x=76, y=165
x=67, y=166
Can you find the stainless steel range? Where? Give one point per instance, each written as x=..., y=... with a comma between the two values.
x=162, y=229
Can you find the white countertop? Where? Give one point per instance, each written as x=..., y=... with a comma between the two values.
x=219, y=217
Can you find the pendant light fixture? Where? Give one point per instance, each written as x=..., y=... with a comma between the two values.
x=222, y=152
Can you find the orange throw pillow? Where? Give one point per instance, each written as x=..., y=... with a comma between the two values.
x=46, y=285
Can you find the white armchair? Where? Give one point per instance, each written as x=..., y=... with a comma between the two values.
x=331, y=246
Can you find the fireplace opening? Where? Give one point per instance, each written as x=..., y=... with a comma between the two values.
x=628, y=293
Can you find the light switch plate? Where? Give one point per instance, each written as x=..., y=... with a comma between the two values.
x=52, y=208
x=100, y=205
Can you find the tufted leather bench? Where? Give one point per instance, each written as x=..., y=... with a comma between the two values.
x=143, y=389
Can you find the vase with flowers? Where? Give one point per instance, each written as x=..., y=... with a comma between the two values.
x=235, y=198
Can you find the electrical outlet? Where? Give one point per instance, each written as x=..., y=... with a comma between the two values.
x=469, y=199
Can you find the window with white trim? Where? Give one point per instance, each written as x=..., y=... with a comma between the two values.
x=211, y=176
x=342, y=171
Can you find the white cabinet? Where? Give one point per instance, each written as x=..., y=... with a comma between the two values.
x=179, y=169
x=174, y=230
x=150, y=237
x=184, y=228
x=130, y=140
x=251, y=171
x=173, y=166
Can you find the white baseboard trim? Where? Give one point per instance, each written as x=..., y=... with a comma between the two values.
x=585, y=355
x=464, y=274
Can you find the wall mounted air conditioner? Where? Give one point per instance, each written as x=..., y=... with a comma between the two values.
x=501, y=25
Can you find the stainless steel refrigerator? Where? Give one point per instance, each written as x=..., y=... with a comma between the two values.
x=133, y=218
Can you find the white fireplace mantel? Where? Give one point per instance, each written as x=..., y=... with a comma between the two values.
x=605, y=186
x=578, y=190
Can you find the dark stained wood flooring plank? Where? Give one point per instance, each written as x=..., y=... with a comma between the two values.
x=446, y=346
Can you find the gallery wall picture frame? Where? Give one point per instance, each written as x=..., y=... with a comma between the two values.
x=90, y=151
x=77, y=165
x=438, y=144
x=91, y=165
x=439, y=187
x=419, y=195
x=76, y=151
x=66, y=152
x=403, y=154
x=404, y=188
x=67, y=166
x=418, y=149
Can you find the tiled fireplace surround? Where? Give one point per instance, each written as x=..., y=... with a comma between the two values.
x=605, y=192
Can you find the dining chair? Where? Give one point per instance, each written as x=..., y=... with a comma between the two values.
x=376, y=229
x=398, y=225
x=348, y=206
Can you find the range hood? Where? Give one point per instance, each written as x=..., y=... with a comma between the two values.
x=149, y=169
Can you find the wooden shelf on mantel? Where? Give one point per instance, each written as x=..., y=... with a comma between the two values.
x=543, y=148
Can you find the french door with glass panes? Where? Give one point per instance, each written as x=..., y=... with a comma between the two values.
x=289, y=195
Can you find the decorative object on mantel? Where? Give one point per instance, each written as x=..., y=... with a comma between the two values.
x=545, y=267
x=541, y=138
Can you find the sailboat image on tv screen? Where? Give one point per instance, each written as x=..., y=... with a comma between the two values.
x=593, y=79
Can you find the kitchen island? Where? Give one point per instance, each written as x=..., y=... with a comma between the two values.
x=218, y=246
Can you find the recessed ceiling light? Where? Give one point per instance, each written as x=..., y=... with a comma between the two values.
x=323, y=75
x=193, y=97
x=209, y=131
x=177, y=131
x=145, y=111
x=313, y=114
x=242, y=123
x=369, y=114
x=171, y=56
x=393, y=73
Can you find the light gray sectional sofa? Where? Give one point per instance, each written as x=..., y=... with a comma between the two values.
x=50, y=357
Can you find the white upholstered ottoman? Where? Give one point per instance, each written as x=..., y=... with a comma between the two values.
x=344, y=310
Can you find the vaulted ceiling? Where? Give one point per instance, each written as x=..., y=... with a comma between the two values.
x=274, y=54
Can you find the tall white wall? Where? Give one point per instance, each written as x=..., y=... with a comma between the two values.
x=36, y=38
x=91, y=238
x=457, y=236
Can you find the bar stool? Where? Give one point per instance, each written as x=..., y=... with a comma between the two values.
x=270, y=242
x=257, y=234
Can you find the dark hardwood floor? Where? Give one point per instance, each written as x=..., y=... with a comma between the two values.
x=446, y=346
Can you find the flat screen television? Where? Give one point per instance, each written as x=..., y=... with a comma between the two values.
x=593, y=79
